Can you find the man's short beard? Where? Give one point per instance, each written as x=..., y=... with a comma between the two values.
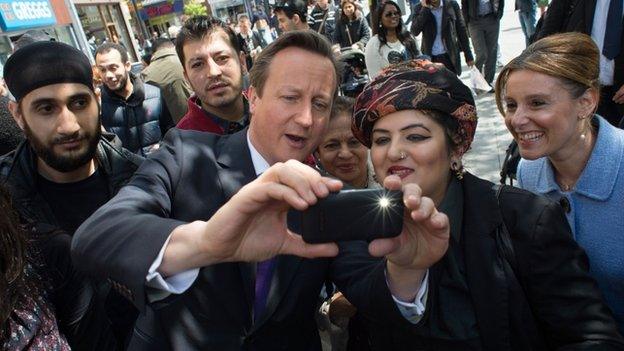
x=64, y=164
x=123, y=82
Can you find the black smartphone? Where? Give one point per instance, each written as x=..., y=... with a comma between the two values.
x=365, y=214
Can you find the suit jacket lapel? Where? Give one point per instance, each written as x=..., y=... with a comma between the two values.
x=484, y=268
x=236, y=171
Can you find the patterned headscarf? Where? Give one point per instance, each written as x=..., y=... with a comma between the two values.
x=416, y=85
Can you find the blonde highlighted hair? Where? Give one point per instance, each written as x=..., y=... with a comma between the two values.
x=573, y=58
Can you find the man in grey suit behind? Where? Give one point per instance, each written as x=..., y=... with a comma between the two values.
x=200, y=241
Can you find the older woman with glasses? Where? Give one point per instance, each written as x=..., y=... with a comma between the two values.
x=512, y=278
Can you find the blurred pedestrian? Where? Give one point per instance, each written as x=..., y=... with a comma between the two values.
x=594, y=17
x=291, y=15
x=526, y=13
x=351, y=30
x=135, y=111
x=252, y=41
x=392, y=43
x=483, y=19
x=444, y=33
x=323, y=18
x=166, y=72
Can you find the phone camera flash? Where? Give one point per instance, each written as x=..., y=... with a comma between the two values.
x=384, y=202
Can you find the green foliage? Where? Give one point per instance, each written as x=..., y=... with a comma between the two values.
x=195, y=9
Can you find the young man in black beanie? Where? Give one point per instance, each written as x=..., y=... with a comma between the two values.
x=59, y=176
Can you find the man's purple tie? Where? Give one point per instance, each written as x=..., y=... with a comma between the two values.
x=264, y=273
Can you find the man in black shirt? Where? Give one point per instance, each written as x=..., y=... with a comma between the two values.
x=60, y=175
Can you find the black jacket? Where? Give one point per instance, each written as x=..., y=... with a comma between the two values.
x=141, y=121
x=546, y=300
x=454, y=33
x=470, y=9
x=357, y=30
x=577, y=16
x=78, y=301
x=189, y=178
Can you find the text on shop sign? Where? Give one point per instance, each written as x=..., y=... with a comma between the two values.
x=16, y=14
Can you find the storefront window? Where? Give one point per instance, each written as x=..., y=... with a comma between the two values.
x=104, y=23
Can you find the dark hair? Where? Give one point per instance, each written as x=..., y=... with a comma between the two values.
x=293, y=7
x=404, y=37
x=161, y=43
x=12, y=261
x=303, y=39
x=242, y=17
x=449, y=124
x=343, y=17
x=198, y=27
x=106, y=47
x=342, y=104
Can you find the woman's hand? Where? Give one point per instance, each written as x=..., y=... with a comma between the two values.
x=423, y=241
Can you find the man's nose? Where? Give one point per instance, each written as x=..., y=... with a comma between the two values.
x=67, y=122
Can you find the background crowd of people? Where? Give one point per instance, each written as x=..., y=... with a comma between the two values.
x=148, y=210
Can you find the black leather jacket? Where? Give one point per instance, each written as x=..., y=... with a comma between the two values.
x=78, y=301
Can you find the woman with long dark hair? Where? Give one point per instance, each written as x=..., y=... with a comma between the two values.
x=351, y=28
x=27, y=319
x=392, y=43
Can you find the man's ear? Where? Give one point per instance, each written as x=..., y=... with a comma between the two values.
x=253, y=99
x=128, y=66
x=17, y=114
x=296, y=19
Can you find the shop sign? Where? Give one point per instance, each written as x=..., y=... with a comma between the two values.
x=23, y=14
x=162, y=9
x=216, y=4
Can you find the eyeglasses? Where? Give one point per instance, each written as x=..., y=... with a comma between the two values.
x=392, y=14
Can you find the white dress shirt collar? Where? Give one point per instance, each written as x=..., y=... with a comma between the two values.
x=259, y=163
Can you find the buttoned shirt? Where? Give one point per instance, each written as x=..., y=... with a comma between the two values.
x=599, y=28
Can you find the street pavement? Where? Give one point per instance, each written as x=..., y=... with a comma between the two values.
x=492, y=138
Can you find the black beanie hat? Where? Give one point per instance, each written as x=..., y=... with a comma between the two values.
x=45, y=63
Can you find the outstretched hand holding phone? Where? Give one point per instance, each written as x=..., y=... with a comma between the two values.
x=252, y=226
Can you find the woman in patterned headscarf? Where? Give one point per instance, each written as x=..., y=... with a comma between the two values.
x=512, y=277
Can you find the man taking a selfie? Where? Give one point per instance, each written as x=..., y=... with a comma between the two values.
x=201, y=237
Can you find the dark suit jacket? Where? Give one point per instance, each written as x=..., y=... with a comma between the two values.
x=454, y=33
x=548, y=302
x=470, y=9
x=189, y=178
x=577, y=16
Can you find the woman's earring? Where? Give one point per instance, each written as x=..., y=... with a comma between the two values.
x=458, y=169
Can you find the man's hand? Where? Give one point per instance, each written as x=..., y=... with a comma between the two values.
x=618, y=98
x=252, y=225
x=423, y=241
